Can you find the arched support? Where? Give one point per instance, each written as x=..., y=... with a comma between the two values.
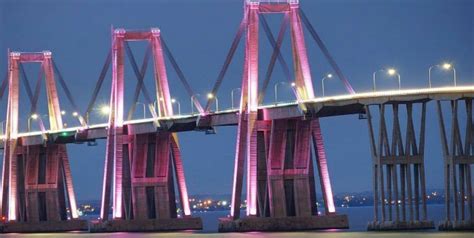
x=458, y=157
x=397, y=206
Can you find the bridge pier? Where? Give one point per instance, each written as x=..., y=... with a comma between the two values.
x=285, y=193
x=150, y=166
x=458, y=158
x=38, y=195
x=397, y=199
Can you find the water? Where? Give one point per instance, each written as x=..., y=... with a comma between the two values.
x=358, y=218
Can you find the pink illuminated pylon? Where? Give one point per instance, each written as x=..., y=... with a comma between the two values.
x=247, y=146
x=126, y=152
x=57, y=155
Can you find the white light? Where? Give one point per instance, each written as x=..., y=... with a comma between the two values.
x=173, y=100
x=329, y=75
x=34, y=116
x=63, y=112
x=210, y=95
x=447, y=66
x=75, y=114
x=105, y=110
x=391, y=71
x=293, y=84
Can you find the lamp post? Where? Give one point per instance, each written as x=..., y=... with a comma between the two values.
x=144, y=108
x=275, y=89
x=327, y=76
x=444, y=66
x=173, y=101
x=390, y=72
x=212, y=96
x=2, y=132
x=33, y=116
x=193, y=97
x=232, y=96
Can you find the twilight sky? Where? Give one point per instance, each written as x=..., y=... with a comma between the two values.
x=362, y=35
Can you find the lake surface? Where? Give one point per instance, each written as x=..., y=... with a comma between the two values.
x=358, y=219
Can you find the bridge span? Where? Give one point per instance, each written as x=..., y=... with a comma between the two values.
x=346, y=104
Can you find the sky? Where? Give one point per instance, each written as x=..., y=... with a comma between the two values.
x=362, y=35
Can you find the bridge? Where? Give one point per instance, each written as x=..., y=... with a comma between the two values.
x=274, y=147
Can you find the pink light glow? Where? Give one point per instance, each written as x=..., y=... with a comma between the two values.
x=323, y=167
x=304, y=85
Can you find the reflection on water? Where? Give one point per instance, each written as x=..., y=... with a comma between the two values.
x=358, y=218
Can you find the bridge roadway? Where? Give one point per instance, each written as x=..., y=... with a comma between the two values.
x=317, y=107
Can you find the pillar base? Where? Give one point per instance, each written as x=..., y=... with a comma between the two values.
x=44, y=226
x=456, y=226
x=400, y=225
x=283, y=223
x=171, y=224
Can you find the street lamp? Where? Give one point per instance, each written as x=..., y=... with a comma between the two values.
x=33, y=116
x=444, y=66
x=75, y=114
x=105, y=110
x=173, y=101
x=212, y=96
x=275, y=88
x=232, y=96
x=390, y=72
x=327, y=76
x=63, y=112
x=193, y=97
x=144, y=108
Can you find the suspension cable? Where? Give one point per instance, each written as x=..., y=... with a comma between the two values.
x=180, y=74
x=228, y=60
x=275, y=55
x=98, y=85
x=140, y=77
x=326, y=53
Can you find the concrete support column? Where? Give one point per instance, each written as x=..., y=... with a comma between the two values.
x=394, y=158
x=151, y=166
x=286, y=183
x=45, y=196
x=458, y=157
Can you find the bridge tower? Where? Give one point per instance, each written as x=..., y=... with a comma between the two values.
x=37, y=192
x=141, y=167
x=398, y=167
x=278, y=154
x=458, y=156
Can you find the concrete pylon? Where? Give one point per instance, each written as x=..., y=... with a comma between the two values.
x=458, y=158
x=280, y=176
x=141, y=167
x=397, y=205
x=37, y=193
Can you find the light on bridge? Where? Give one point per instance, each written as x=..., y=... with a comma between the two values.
x=391, y=71
x=63, y=112
x=105, y=110
x=34, y=116
x=75, y=114
x=447, y=66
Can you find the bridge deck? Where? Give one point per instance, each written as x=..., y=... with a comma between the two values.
x=317, y=107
